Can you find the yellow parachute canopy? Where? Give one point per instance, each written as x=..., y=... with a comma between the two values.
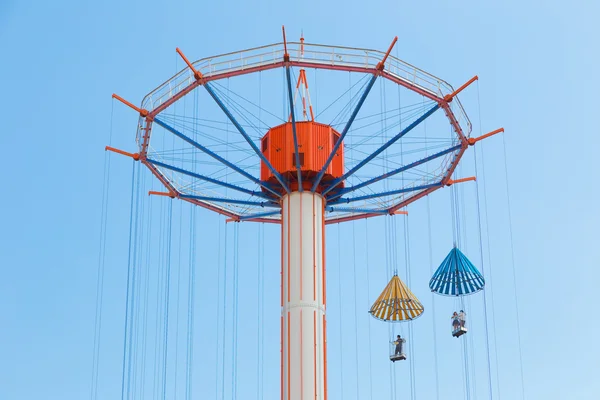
x=396, y=303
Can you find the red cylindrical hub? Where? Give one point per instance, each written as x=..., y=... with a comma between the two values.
x=315, y=143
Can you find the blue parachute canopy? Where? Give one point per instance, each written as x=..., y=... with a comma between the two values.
x=457, y=276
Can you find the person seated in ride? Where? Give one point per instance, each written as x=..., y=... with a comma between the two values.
x=455, y=321
x=461, y=318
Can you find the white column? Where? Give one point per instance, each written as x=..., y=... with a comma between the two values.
x=303, y=341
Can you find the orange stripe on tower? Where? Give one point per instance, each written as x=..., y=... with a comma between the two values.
x=323, y=251
x=314, y=250
x=288, y=250
x=301, y=250
x=315, y=350
x=325, y=356
x=282, y=264
x=288, y=357
x=281, y=351
x=301, y=358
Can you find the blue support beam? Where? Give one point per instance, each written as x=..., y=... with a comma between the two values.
x=260, y=215
x=356, y=210
x=232, y=201
x=361, y=164
x=296, y=154
x=362, y=99
x=383, y=194
x=394, y=172
x=223, y=107
x=215, y=156
x=208, y=179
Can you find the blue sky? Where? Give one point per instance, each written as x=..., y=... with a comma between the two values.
x=61, y=61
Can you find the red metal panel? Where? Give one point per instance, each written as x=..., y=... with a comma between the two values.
x=265, y=148
x=337, y=164
x=321, y=147
x=282, y=148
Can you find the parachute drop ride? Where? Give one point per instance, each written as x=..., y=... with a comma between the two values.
x=396, y=304
x=294, y=169
x=457, y=276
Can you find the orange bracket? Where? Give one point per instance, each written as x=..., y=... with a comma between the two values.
x=472, y=141
x=166, y=194
x=381, y=64
x=286, y=56
x=144, y=113
x=453, y=181
x=448, y=98
x=232, y=220
x=398, y=212
x=135, y=156
x=197, y=74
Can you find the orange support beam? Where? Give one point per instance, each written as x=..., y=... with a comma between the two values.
x=453, y=181
x=286, y=56
x=166, y=194
x=472, y=141
x=450, y=96
x=381, y=64
x=398, y=212
x=135, y=156
x=197, y=74
x=143, y=113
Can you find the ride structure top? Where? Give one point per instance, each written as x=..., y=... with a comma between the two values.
x=302, y=155
x=357, y=157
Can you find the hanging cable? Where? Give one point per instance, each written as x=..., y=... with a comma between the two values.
x=489, y=279
x=191, y=281
x=217, y=317
x=459, y=301
x=434, y=330
x=136, y=282
x=159, y=289
x=101, y=263
x=167, y=299
x=354, y=269
x=368, y=304
x=514, y=273
x=465, y=370
x=262, y=308
x=390, y=269
x=468, y=348
x=180, y=240
x=413, y=386
x=234, y=338
x=261, y=268
x=340, y=312
x=191, y=297
x=258, y=315
x=129, y=273
x=430, y=240
x=225, y=263
x=224, y=312
x=355, y=307
x=177, y=305
x=144, y=324
x=413, y=389
x=259, y=308
x=472, y=355
x=134, y=279
x=485, y=306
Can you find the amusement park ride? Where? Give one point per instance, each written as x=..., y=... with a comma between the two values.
x=306, y=180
